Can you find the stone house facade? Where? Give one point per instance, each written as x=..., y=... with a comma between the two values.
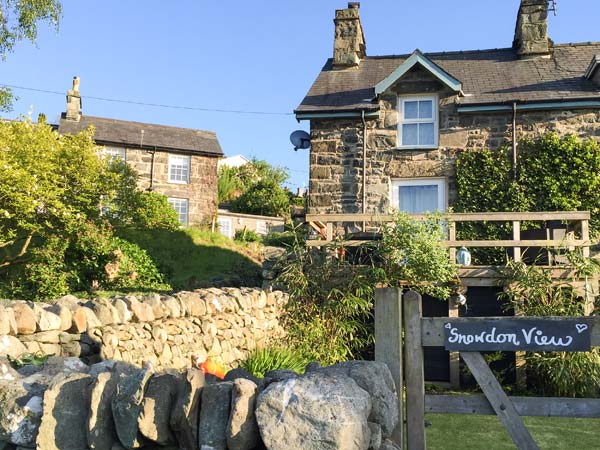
x=180, y=163
x=386, y=130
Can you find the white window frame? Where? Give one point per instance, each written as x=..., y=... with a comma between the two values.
x=228, y=220
x=112, y=153
x=439, y=182
x=402, y=121
x=176, y=161
x=176, y=203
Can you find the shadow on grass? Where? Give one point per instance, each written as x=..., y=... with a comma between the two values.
x=192, y=259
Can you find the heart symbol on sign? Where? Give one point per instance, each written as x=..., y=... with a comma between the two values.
x=448, y=325
x=581, y=327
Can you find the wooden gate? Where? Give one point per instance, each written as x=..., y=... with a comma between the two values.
x=403, y=353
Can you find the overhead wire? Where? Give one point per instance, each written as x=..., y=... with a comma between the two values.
x=155, y=105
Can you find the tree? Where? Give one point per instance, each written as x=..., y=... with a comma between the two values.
x=265, y=198
x=19, y=20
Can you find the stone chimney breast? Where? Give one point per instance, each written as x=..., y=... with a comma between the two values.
x=349, y=44
x=74, y=102
x=531, y=31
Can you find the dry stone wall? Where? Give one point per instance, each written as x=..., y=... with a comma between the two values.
x=163, y=330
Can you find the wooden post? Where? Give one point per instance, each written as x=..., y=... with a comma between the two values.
x=499, y=401
x=388, y=344
x=585, y=236
x=516, y=237
x=415, y=377
x=453, y=311
x=329, y=232
x=452, y=237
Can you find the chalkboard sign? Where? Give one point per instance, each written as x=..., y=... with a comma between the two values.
x=564, y=335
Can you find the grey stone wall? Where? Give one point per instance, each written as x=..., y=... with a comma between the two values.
x=166, y=331
x=201, y=191
x=336, y=173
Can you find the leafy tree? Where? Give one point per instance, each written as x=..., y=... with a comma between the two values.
x=19, y=20
x=59, y=205
x=236, y=180
x=265, y=198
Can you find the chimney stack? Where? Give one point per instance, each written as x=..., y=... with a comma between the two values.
x=349, y=44
x=531, y=31
x=74, y=101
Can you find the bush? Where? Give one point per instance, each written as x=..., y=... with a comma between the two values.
x=247, y=236
x=280, y=239
x=264, y=360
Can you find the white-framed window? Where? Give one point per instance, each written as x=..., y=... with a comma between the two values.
x=179, y=169
x=418, y=121
x=225, y=226
x=261, y=227
x=114, y=153
x=419, y=195
x=181, y=205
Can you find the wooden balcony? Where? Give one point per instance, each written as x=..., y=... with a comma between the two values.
x=329, y=232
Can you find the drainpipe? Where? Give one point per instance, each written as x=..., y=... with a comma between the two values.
x=152, y=153
x=364, y=169
x=514, y=140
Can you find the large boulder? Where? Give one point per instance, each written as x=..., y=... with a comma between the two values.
x=159, y=398
x=20, y=412
x=46, y=320
x=184, y=416
x=242, y=429
x=24, y=317
x=101, y=431
x=11, y=346
x=214, y=416
x=314, y=412
x=375, y=378
x=65, y=410
x=127, y=404
x=106, y=313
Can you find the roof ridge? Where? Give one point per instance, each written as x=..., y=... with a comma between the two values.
x=83, y=116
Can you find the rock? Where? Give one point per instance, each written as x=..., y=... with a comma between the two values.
x=101, y=432
x=127, y=404
x=21, y=413
x=25, y=318
x=90, y=318
x=68, y=301
x=242, y=429
x=214, y=416
x=125, y=314
x=7, y=373
x=46, y=320
x=240, y=372
x=12, y=323
x=279, y=375
x=375, y=436
x=375, y=378
x=184, y=417
x=159, y=398
x=387, y=444
x=57, y=364
x=312, y=367
x=48, y=337
x=106, y=313
x=65, y=410
x=153, y=300
x=79, y=320
x=6, y=316
x=314, y=412
x=102, y=367
x=172, y=307
x=141, y=312
x=66, y=317
x=11, y=346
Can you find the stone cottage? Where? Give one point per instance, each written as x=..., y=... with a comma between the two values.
x=180, y=163
x=385, y=130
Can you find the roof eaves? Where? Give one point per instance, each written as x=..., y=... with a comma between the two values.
x=418, y=58
x=594, y=65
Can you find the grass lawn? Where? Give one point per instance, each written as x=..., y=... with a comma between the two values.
x=475, y=432
x=192, y=258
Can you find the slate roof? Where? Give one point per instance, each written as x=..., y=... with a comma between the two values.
x=128, y=134
x=487, y=77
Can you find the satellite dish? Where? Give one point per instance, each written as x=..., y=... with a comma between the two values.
x=300, y=139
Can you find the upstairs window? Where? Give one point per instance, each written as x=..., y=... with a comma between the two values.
x=179, y=169
x=418, y=122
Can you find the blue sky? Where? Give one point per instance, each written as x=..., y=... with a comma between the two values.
x=259, y=55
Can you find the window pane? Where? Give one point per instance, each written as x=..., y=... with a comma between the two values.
x=418, y=199
x=425, y=109
x=181, y=206
x=426, y=136
x=179, y=168
x=411, y=110
x=410, y=134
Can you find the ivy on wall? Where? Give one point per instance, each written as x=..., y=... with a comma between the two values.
x=553, y=174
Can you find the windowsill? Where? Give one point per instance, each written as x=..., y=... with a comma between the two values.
x=178, y=182
x=419, y=147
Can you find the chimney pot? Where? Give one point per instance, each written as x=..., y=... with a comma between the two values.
x=531, y=31
x=349, y=43
x=74, y=102
x=353, y=5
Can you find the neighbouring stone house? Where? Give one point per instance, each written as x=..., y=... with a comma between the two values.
x=180, y=163
x=386, y=130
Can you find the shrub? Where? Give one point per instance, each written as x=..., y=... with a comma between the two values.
x=247, y=236
x=264, y=360
x=280, y=239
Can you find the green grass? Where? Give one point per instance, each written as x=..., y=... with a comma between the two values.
x=192, y=257
x=475, y=432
